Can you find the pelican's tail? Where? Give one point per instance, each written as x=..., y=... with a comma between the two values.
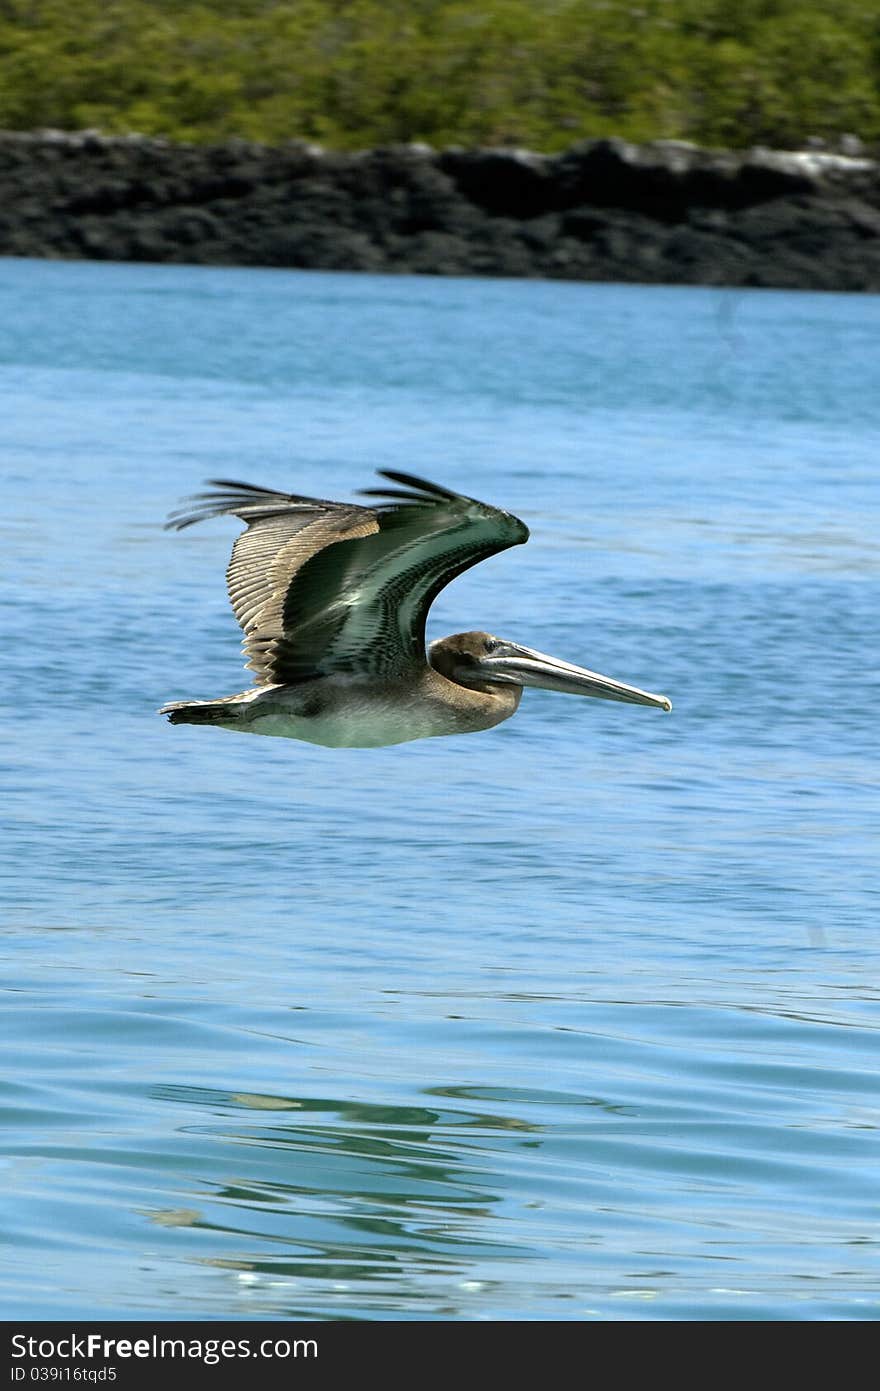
x=228, y=710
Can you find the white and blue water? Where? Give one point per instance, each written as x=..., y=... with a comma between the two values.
x=576, y=1018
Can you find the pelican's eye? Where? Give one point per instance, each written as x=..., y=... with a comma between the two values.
x=490, y=645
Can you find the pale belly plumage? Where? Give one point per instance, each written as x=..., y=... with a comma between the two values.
x=364, y=727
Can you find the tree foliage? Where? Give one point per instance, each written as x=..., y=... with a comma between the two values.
x=358, y=73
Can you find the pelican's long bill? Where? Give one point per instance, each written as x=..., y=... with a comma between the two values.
x=525, y=667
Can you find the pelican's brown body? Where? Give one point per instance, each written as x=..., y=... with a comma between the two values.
x=343, y=712
x=333, y=599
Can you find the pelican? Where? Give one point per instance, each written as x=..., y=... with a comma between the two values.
x=333, y=598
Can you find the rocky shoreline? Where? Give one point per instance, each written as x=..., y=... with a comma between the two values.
x=604, y=210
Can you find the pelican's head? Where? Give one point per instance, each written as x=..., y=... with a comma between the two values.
x=480, y=661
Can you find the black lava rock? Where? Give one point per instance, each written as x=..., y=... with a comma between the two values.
x=603, y=210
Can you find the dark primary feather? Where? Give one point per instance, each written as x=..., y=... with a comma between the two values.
x=323, y=586
x=244, y=500
x=417, y=488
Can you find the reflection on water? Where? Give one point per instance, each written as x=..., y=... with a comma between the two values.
x=368, y=1192
x=576, y=1018
x=704, y=1162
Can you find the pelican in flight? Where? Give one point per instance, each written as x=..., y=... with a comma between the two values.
x=333, y=598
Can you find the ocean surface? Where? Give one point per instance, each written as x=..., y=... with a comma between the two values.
x=574, y=1019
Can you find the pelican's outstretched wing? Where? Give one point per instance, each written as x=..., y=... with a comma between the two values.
x=322, y=587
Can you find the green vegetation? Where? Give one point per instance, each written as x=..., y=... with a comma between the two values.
x=357, y=73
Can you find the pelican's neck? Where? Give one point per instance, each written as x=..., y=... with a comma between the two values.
x=472, y=707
